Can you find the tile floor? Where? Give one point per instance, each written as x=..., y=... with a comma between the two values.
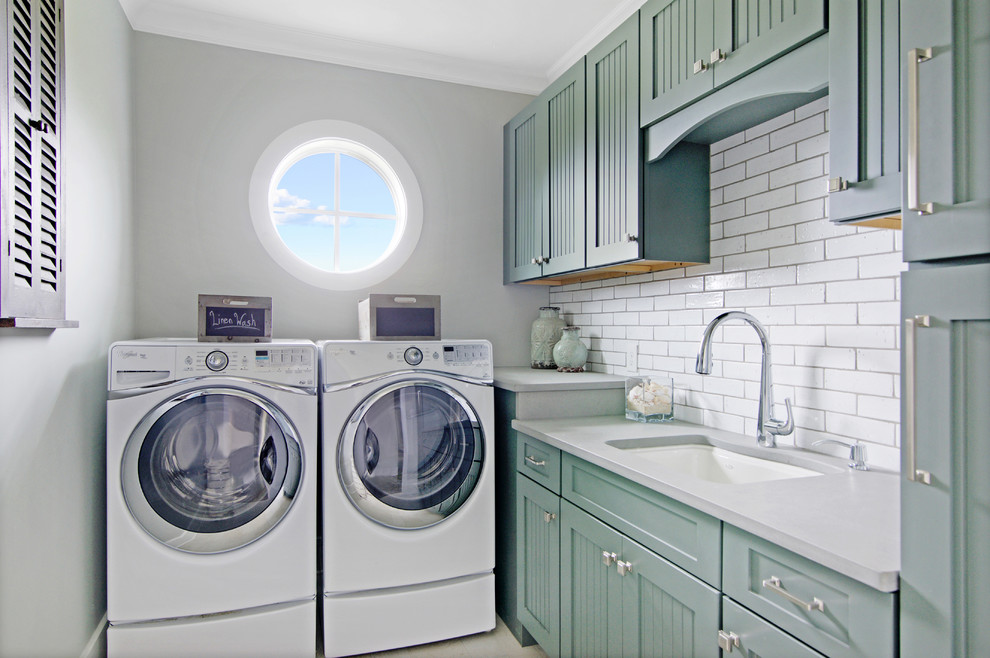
x=498, y=643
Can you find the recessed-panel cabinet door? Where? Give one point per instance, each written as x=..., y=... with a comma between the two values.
x=945, y=128
x=613, y=208
x=677, y=39
x=525, y=177
x=945, y=436
x=538, y=560
x=864, y=109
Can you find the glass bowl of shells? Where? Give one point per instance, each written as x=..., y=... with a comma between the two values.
x=650, y=399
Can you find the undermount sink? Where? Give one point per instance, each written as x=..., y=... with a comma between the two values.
x=693, y=455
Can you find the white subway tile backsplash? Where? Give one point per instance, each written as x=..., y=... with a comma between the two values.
x=828, y=295
x=861, y=244
x=855, y=381
x=725, y=281
x=816, y=145
x=810, y=189
x=862, y=290
x=747, y=261
x=776, y=237
x=799, y=213
x=862, y=336
x=748, y=187
x=799, y=171
x=813, y=293
x=830, y=314
x=746, y=150
x=741, y=299
x=829, y=270
x=797, y=131
x=807, y=252
x=778, y=198
x=734, y=245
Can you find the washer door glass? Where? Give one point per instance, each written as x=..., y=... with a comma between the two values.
x=211, y=470
x=411, y=454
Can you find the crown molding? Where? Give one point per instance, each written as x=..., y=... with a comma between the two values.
x=184, y=23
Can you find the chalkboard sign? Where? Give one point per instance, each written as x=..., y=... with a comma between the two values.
x=235, y=319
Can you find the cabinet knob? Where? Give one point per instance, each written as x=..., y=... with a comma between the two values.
x=608, y=559
x=549, y=516
x=727, y=641
x=631, y=238
x=717, y=56
x=700, y=66
x=837, y=185
x=623, y=567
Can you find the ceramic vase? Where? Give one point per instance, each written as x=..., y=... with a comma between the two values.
x=570, y=353
x=544, y=335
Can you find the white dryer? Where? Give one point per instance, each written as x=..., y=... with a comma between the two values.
x=212, y=498
x=408, y=493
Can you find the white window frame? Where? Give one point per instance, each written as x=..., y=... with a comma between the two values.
x=363, y=144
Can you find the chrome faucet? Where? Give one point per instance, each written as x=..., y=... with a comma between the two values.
x=767, y=428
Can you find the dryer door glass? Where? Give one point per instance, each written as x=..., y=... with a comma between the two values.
x=212, y=463
x=411, y=455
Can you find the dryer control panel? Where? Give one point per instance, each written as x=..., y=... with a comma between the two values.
x=144, y=363
x=347, y=361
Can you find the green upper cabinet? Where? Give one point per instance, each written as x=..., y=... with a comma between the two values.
x=945, y=132
x=691, y=47
x=613, y=138
x=677, y=39
x=525, y=161
x=864, y=109
x=545, y=182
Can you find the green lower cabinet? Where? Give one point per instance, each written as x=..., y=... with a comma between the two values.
x=618, y=598
x=538, y=562
x=754, y=637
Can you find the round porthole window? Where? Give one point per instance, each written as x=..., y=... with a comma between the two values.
x=336, y=205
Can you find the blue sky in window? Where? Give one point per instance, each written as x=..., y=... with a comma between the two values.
x=308, y=185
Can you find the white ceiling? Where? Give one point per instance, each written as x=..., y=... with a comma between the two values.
x=513, y=45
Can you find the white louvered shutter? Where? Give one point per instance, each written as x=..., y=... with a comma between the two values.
x=33, y=282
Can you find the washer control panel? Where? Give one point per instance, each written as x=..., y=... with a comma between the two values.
x=137, y=364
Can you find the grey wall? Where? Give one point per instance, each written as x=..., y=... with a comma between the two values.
x=205, y=113
x=53, y=383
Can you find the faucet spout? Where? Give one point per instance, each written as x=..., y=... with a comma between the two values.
x=767, y=427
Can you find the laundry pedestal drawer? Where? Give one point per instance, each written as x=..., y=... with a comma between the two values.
x=832, y=613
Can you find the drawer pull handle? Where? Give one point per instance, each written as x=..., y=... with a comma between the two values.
x=773, y=584
x=914, y=57
x=533, y=461
x=909, y=431
x=549, y=516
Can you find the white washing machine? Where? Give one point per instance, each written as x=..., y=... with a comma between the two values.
x=212, y=498
x=408, y=493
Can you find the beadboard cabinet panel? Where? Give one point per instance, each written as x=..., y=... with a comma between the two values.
x=614, y=152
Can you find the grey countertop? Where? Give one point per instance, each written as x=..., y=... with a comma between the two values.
x=525, y=379
x=846, y=520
